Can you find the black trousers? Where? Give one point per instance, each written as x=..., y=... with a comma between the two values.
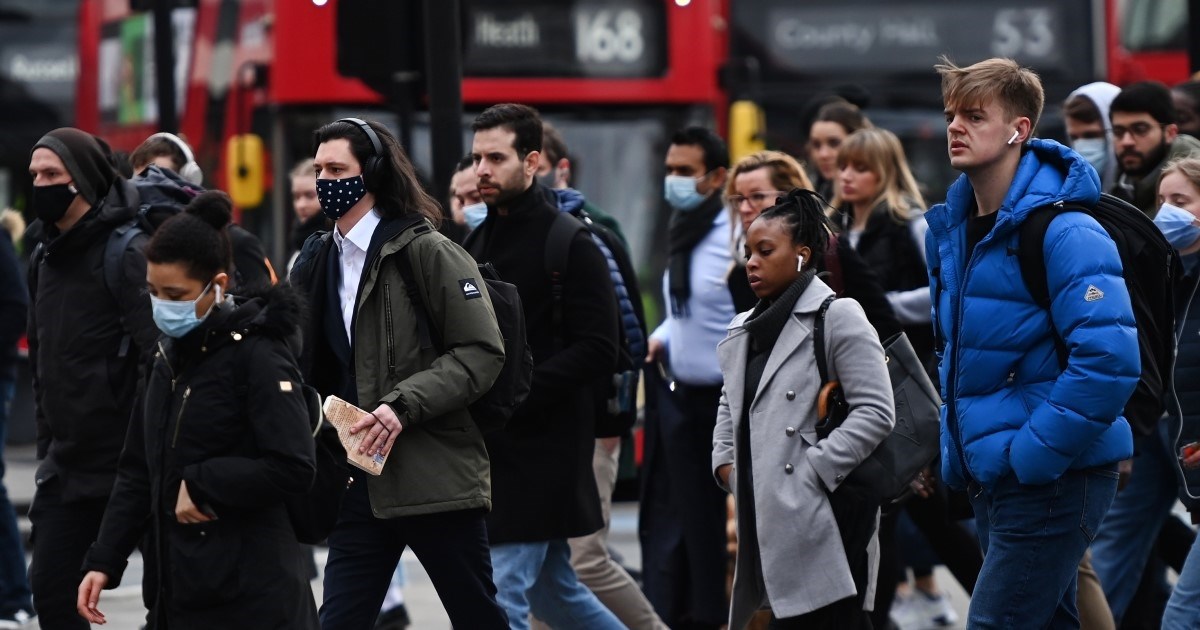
x=62, y=534
x=682, y=518
x=363, y=552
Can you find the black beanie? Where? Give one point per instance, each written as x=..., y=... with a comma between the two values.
x=85, y=160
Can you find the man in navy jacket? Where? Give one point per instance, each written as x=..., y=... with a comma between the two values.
x=1036, y=446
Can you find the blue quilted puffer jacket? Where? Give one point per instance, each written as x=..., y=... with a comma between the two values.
x=1009, y=406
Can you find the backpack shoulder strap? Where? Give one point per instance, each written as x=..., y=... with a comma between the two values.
x=558, y=248
x=819, y=339
x=114, y=253
x=1031, y=256
x=425, y=331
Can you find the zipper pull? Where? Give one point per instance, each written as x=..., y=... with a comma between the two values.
x=1011, y=377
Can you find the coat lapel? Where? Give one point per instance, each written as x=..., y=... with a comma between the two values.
x=731, y=354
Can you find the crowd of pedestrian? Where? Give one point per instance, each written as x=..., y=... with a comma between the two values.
x=172, y=369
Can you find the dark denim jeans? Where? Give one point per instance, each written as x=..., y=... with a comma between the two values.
x=14, y=584
x=1033, y=538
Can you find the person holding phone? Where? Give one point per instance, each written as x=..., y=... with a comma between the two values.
x=221, y=436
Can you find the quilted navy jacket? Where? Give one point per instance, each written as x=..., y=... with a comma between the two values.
x=1009, y=406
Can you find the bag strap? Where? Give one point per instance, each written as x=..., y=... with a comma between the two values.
x=819, y=339
x=558, y=248
x=833, y=265
x=425, y=332
x=1031, y=256
x=114, y=254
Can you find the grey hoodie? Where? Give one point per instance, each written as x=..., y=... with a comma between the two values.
x=1102, y=94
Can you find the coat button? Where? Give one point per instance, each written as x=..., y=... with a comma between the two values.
x=791, y=395
x=790, y=431
x=840, y=478
x=788, y=469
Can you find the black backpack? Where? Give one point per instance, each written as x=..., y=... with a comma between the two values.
x=1150, y=266
x=492, y=411
x=616, y=409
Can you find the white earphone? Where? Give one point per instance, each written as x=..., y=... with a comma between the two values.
x=800, y=262
x=1014, y=136
x=191, y=170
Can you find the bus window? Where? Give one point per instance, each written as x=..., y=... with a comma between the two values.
x=1154, y=25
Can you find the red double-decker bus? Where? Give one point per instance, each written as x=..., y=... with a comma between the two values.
x=1148, y=40
x=615, y=76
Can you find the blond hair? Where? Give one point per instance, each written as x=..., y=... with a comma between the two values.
x=1018, y=90
x=1189, y=167
x=303, y=168
x=786, y=171
x=880, y=152
x=13, y=223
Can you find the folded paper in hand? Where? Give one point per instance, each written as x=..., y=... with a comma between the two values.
x=342, y=415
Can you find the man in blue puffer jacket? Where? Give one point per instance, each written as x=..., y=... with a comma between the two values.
x=1035, y=446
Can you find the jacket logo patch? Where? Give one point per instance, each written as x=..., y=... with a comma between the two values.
x=469, y=290
x=285, y=386
x=1093, y=294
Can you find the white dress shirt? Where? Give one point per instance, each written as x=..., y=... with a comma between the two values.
x=353, y=249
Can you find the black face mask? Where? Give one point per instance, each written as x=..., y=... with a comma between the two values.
x=50, y=203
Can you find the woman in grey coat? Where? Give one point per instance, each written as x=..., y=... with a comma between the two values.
x=807, y=547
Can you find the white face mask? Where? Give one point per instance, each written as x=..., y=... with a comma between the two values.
x=1178, y=225
x=475, y=214
x=1095, y=151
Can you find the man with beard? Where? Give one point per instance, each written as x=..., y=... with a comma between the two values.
x=1146, y=138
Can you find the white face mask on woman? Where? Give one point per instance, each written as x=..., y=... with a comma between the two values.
x=1181, y=227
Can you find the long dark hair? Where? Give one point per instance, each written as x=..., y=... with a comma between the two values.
x=803, y=212
x=397, y=190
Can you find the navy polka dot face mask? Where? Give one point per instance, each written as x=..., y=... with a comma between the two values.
x=337, y=196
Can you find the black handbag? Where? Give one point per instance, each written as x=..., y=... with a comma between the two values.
x=914, y=441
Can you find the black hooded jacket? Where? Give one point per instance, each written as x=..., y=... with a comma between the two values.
x=86, y=344
x=223, y=410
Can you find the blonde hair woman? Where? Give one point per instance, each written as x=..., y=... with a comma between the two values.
x=879, y=209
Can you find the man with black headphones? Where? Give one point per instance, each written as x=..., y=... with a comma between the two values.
x=362, y=344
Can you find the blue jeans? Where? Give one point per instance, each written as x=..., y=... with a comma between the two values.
x=1033, y=538
x=14, y=584
x=1130, y=530
x=539, y=576
x=1183, y=609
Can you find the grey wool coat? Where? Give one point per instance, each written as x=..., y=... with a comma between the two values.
x=803, y=563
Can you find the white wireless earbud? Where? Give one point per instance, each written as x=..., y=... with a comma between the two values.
x=1014, y=136
x=800, y=263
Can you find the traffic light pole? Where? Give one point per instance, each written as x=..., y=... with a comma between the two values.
x=443, y=81
x=164, y=66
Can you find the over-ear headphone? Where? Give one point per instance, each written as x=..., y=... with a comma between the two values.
x=191, y=170
x=373, y=168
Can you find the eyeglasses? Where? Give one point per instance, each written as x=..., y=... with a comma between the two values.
x=1138, y=129
x=761, y=199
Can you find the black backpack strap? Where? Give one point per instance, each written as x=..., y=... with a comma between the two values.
x=114, y=253
x=425, y=330
x=558, y=247
x=819, y=339
x=1031, y=256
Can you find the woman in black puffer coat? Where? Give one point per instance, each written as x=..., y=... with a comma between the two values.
x=219, y=439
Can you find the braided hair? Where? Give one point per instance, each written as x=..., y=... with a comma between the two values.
x=196, y=238
x=803, y=212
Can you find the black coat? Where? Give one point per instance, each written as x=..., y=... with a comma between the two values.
x=223, y=410
x=542, y=482
x=14, y=304
x=86, y=344
x=889, y=249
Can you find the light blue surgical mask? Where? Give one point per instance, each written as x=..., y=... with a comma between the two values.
x=1178, y=225
x=680, y=192
x=176, y=318
x=475, y=214
x=1095, y=151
